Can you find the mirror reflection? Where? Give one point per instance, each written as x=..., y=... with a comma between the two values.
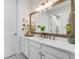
x=53, y=19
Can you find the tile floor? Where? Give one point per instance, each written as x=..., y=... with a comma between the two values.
x=20, y=56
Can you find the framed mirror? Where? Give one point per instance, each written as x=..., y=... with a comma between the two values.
x=54, y=20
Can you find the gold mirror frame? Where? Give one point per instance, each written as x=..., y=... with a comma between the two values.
x=71, y=21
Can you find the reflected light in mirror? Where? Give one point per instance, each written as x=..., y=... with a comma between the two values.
x=49, y=4
x=50, y=7
x=55, y=19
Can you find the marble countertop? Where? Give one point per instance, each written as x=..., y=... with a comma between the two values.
x=58, y=43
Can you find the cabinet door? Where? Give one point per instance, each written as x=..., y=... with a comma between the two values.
x=34, y=53
x=46, y=55
x=26, y=51
x=24, y=46
x=55, y=53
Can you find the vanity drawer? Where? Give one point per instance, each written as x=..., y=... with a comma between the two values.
x=34, y=44
x=56, y=52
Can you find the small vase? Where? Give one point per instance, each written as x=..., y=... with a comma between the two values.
x=71, y=40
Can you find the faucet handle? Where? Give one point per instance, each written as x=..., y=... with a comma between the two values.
x=53, y=37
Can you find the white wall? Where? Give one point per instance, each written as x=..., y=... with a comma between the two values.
x=34, y=4
x=23, y=13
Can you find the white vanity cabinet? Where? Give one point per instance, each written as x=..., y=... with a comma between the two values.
x=24, y=46
x=41, y=51
x=53, y=53
x=34, y=50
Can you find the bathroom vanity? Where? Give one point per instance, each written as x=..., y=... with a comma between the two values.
x=41, y=48
x=50, y=21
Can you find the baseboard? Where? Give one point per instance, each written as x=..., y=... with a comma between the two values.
x=10, y=56
x=24, y=55
x=16, y=54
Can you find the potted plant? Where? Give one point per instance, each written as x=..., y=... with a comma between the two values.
x=41, y=27
x=68, y=28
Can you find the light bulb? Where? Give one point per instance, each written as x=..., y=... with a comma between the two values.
x=50, y=7
x=47, y=5
x=44, y=10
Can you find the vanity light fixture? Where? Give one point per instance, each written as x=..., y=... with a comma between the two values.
x=46, y=5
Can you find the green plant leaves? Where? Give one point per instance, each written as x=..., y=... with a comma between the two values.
x=41, y=27
x=68, y=27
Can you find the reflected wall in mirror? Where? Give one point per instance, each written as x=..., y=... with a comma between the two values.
x=41, y=20
x=54, y=19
